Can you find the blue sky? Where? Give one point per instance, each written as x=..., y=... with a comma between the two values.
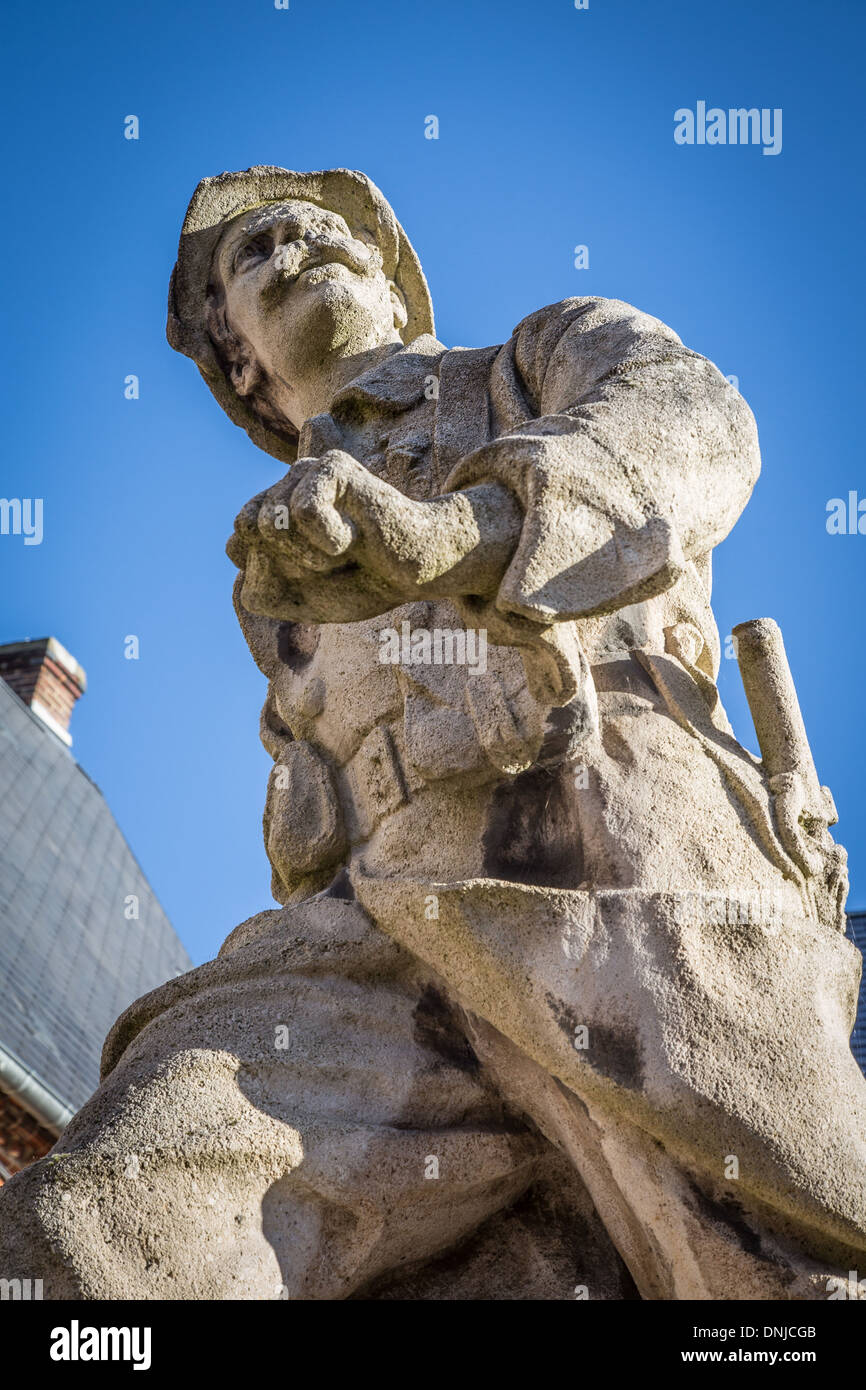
x=555, y=129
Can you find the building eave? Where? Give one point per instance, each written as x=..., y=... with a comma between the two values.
x=32, y=1094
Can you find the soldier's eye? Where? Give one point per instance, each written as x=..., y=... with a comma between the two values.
x=258, y=248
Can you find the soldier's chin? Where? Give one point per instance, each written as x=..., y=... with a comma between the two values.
x=335, y=310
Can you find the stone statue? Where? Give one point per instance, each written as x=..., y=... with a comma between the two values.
x=557, y=1002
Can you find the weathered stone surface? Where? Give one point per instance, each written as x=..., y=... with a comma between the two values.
x=557, y=1003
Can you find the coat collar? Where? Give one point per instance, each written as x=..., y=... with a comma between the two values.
x=398, y=382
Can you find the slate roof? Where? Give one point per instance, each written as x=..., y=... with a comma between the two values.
x=856, y=931
x=70, y=962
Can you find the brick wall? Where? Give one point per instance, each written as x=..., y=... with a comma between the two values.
x=22, y=1139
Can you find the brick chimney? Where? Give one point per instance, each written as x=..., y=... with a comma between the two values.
x=45, y=677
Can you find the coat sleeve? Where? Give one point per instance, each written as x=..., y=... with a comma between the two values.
x=629, y=454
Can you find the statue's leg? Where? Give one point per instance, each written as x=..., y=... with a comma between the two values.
x=681, y=1023
x=550, y=1244
x=688, y=1226
x=297, y=1119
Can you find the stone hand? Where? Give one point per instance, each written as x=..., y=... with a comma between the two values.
x=333, y=543
x=287, y=577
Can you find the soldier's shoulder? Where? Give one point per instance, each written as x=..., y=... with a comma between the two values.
x=595, y=310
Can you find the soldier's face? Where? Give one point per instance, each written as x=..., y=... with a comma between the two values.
x=298, y=284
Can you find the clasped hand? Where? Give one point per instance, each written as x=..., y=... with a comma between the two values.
x=332, y=543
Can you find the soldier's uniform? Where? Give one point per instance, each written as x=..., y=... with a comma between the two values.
x=510, y=1034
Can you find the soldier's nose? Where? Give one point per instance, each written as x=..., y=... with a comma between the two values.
x=289, y=255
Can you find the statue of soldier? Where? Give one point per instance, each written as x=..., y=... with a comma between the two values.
x=557, y=1002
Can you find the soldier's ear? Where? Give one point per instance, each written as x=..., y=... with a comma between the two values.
x=238, y=358
x=398, y=304
x=246, y=374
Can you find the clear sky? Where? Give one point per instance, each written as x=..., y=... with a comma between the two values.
x=556, y=129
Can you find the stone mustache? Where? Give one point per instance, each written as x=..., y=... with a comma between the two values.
x=557, y=1002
